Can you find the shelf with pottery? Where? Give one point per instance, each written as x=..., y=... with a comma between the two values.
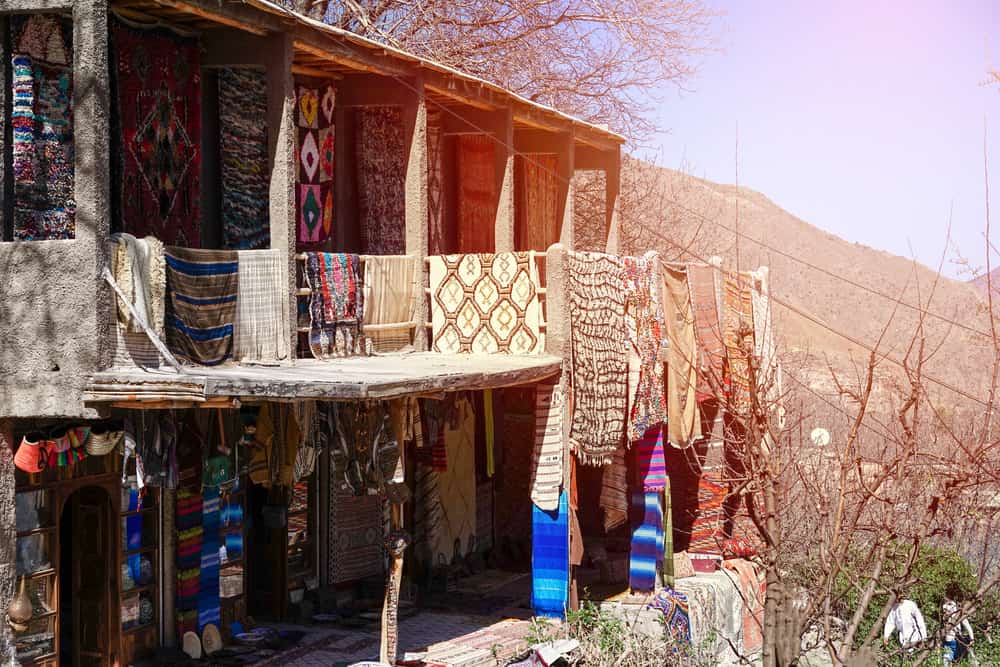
x=139, y=591
x=32, y=613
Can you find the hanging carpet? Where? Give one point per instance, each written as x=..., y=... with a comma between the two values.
x=644, y=322
x=547, y=458
x=336, y=304
x=683, y=423
x=390, y=286
x=380, y=153
x=550, y=559
x=243, y=158
x=647, y=541
x=536, y=189
x=650, y=465
x=202, y=287
x=261, y=331
x=157, y=77
x=477, y=195
x=41, y=120
x=703, y=283
x=439, y=237
x=738, y=335
x=485, y=304
x=315, y=141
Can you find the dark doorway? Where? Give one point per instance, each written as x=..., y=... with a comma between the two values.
x=86, y=579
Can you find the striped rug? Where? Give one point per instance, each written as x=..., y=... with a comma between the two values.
x=202, y=286
x=647, y=541
x=550, y=559
x=546, y=461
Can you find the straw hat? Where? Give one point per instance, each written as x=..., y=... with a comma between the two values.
x=192, y=645
x=31, y=455
x=211, y=639
x=103, y=439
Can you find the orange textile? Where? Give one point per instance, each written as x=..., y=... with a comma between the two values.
x=477, y=193
x=536, y=207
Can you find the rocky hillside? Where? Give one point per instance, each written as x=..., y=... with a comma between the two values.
x=695, y=218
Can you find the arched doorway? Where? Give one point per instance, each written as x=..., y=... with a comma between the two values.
x=87, y=579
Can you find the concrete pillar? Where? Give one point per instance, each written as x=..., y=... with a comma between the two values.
x=612, y=193
x=281, y=148
x=417, y=204
x=503, y=235
x=567, y=168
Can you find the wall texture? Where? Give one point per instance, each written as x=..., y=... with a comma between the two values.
x=7, y=541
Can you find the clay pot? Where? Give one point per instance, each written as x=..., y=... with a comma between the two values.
x=20, y=610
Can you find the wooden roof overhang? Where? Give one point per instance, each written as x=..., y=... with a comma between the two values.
x=327, y=51
x=343, y=379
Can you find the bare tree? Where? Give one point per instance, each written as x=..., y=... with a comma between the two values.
x=607, y=62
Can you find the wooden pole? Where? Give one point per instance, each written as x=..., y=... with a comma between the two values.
x=389, y=639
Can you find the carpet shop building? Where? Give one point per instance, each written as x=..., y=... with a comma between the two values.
x=284, y=317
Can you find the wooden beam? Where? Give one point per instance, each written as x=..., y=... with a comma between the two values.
x=344, y=61
x=463, y=99
x=302, y=70
x=212, y=16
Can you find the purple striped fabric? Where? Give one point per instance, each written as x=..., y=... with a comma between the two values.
x=649, y=459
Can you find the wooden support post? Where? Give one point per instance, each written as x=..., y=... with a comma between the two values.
x=281, y=147
x=612, y=193
x=567, y=169
x=503, y=235
x=389, y=638
x=417, y=200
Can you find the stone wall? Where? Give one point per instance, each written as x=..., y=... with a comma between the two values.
x=7, y=540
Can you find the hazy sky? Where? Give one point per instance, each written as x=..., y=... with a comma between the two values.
x=863, y=118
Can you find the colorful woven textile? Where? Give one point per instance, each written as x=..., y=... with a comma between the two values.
x=753, y=589
x=484, y=303
x=356, y=536
x=683, y=424
x=550, y=559
x=676, y=613
x=706, y=306
x=243, y=158
x=158, y=90
x=650, y=465
x=42, y=123
x=190, y=538
x=477, y=193
x=739, y=340
x=707, y=531
x=614, y=490
x=644, y=322
x=390, y=290
x=536, y=192
x=599, y=362
x=208, y=587
x=336, y=304
x=261, y=331
x=647, y=541
x=315, y=148
x=547, y=458
x=381, y=160
x=202, y=287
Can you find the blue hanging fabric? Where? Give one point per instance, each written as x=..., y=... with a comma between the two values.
x=208, y=589
x=647, y=541
x=550, y=559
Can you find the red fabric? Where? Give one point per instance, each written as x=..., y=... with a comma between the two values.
x=158, y=77
x=477, y=196
x=536, y=186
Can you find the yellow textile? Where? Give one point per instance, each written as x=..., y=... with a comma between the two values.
x=683, y=422
x=389, y=298
x=277, y=439
x=488, y=420
x=457, y=486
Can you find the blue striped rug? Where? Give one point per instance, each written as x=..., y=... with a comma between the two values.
x=202, y=286
x=647, y=541
x=550, y=559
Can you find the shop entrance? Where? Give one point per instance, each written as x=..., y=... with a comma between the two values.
x=86, y=579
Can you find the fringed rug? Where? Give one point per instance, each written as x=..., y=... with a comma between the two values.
x=390, y=289
x=336, y=304
x=550, y=559
x=381, y=162
x=644, y=322
x=599, y=362
x=356, y=536
x=650, y=464
x=477, y=196
x=202, y=287
x=614, y=490
x=243, y=158
x=483, y=303
x=315, y=150
x=547, y=459
x=157, y=77
x=42, y=123
x=261, y=332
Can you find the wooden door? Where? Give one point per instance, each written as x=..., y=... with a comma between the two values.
x=93, y=577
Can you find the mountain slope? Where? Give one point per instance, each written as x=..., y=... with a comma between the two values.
x=694, y=214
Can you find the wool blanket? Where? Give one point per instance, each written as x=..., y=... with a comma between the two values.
x=315, y=149
x=261, y=328
x=157, y=82
x=644, y=322
x=536, y=191
x=704, y=286
x=738, y=336
x=684, y=425
x=202, y=287
x=614, y=490
x=336, y=304
x=380, y=155
x=456, y=486
x=599, y=355
x=752, y=589
x=485, y=304
x=139, y=269
x=676, y=614
x=651, y=468
x=716, y=610
x=243, y=158
x=42, y=127
x=477, y=193
x=547, y=457
x=390, y=290
x=647, y=541
x=550, y=559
